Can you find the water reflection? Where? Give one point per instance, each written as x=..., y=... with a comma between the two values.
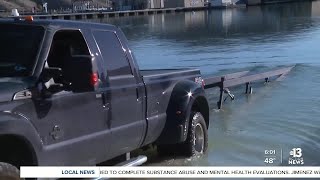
x=255, y=20
x=224, y=40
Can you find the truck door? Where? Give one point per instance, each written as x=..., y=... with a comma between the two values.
x=125, y=114
x=71, y=123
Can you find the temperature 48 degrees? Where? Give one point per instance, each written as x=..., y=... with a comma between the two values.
x=269, y=160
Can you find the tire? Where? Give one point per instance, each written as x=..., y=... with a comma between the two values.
x=9, y=172
x=196, y=142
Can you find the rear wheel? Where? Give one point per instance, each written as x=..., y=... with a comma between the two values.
x=196, y=142
x=9, y=172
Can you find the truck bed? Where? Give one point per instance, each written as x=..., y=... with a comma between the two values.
x=166, y=74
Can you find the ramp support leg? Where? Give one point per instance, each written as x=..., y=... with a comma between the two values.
x=248, y=88
x=221, y=94
x=220, y=99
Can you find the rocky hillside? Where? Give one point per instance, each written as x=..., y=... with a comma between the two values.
x=28, y=4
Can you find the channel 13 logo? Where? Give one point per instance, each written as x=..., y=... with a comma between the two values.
x=295, y=157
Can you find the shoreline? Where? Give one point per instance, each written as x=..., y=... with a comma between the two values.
x=112, y=14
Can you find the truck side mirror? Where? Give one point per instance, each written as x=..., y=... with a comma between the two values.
x=51, y=72
x=81, y=72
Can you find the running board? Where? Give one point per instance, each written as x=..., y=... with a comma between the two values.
x=137, y=161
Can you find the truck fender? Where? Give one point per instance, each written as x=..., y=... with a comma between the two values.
x=19, y=127
x=185, y=96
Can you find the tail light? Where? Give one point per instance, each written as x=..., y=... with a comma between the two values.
x=200, y=81
x=94, y=79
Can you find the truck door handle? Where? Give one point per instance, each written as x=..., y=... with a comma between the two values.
x=137, y=94
x=103, y=99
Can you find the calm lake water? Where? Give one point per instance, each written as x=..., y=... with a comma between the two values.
x=279, y=116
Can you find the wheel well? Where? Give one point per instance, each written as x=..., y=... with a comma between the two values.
x=16, y=151
x=201, y=105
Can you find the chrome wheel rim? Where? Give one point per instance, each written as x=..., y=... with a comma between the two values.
x=199, y=138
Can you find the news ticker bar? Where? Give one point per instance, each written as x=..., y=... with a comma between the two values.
x=170, y=172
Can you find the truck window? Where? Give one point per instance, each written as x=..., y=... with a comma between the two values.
x=112, y=52
x=65, y=45
x=19, y=49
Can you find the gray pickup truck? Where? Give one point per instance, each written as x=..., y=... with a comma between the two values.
x=71, y=93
